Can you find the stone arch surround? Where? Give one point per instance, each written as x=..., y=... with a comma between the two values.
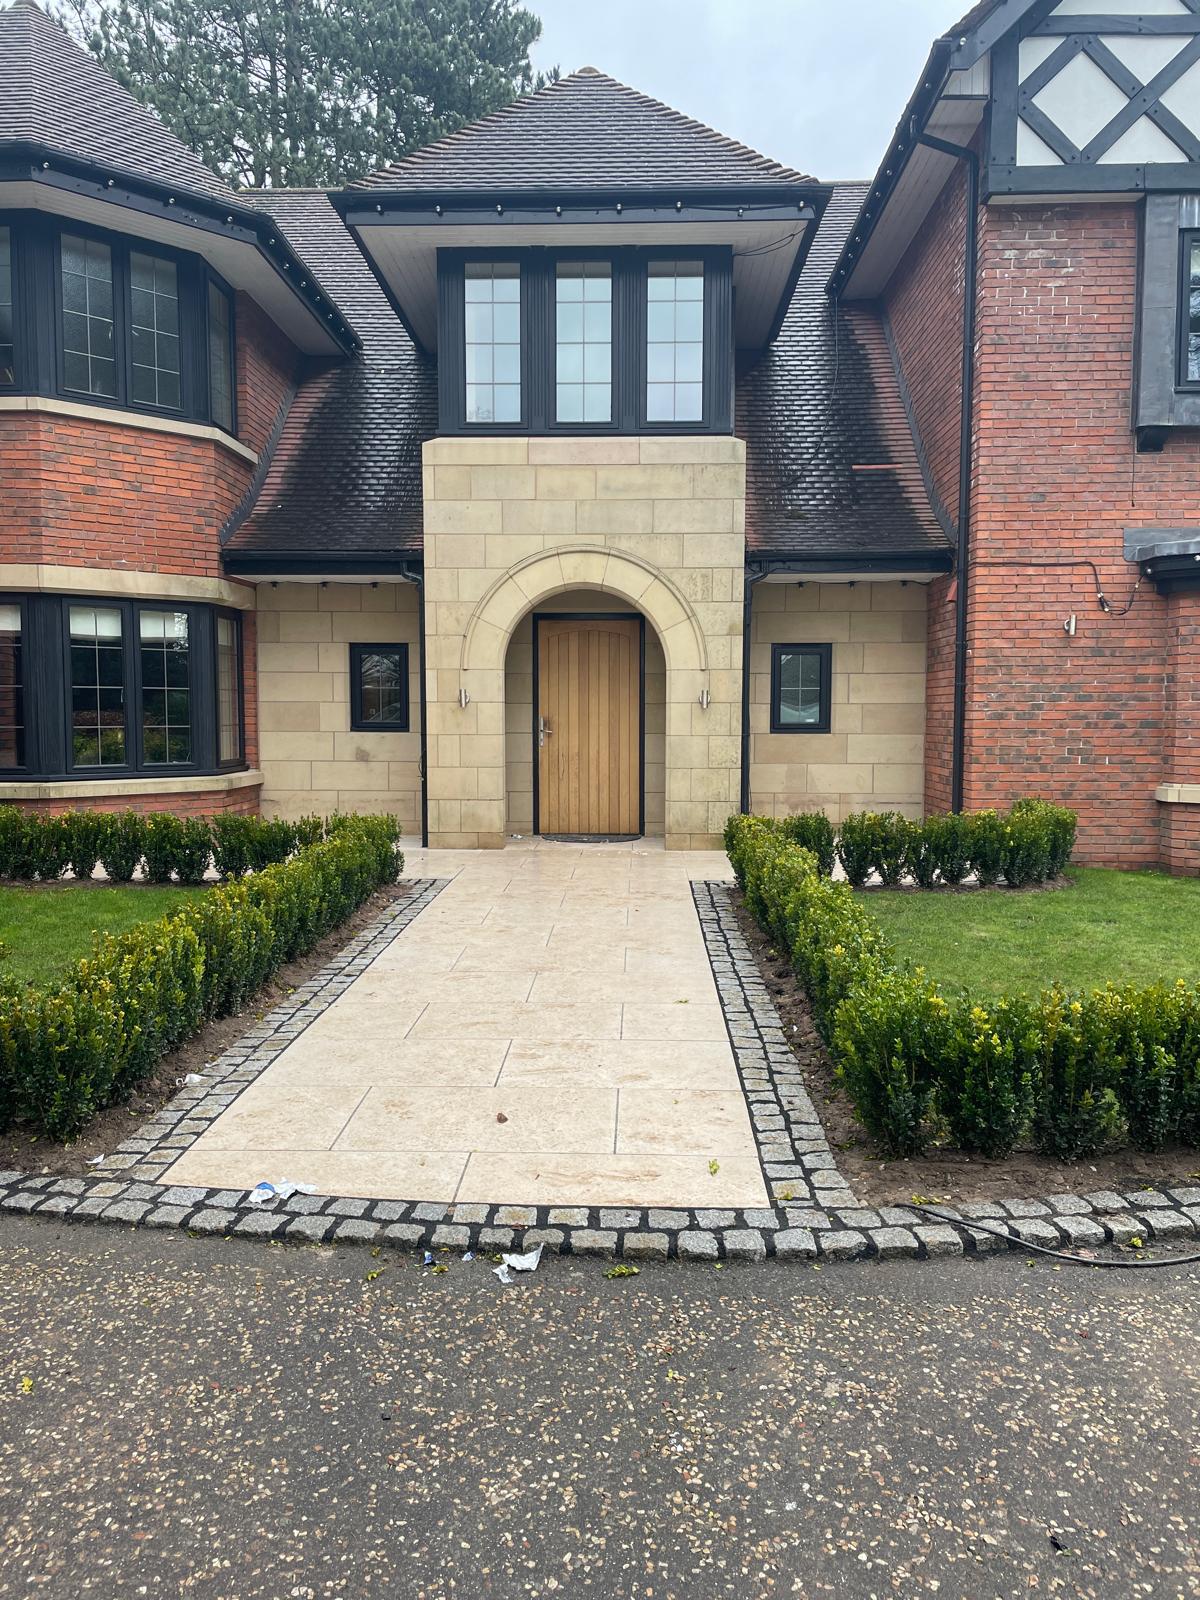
x=657, y=523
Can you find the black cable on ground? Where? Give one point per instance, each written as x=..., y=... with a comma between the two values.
x=1017, y=1242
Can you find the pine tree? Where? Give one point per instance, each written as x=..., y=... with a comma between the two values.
x=310, y=92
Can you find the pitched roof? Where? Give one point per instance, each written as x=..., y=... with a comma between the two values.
x=55, y=95
x=832, y=465
x=344, y=477
x=584, y=132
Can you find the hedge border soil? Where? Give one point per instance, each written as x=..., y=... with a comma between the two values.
x=109, y=1128
x=941, y=1174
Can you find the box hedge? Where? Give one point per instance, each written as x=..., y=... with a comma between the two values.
x=68, y=1051
x=1067, y=1073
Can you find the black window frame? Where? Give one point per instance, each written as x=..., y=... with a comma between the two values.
x=46, y=666
x=38, y=356
x=7, y=598
x=357, y=723
x=825, y=654
x=234, y=763
x=629, y=264
x=1189, y=239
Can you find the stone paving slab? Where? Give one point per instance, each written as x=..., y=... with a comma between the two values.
x=815, y=1215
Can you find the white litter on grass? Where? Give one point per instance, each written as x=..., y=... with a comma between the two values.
x=191, y=1079
x=95, y=1161
x=283, y=1190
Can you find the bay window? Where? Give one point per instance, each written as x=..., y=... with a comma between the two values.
x=93, y=316
x=628, y=340
x=103, y=688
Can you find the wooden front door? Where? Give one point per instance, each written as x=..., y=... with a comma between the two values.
x=588, y=728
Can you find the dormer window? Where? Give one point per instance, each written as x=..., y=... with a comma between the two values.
x=93, y=316
x=575, y=341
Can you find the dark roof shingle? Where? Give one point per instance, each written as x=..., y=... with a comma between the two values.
x=55, y=95
x=344, y=478
x=584, y=132
x=832, y=466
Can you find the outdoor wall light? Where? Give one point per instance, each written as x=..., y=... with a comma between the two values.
x=1071, y=626
x=705, y=699
x=464, y=699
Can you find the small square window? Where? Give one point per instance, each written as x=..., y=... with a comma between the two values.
x=379, y=687
x=801, y=684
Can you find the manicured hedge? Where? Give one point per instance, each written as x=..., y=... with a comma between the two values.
x=165, y=847
x=69, y=1051
x=1067, y=1072
x=1032, y=843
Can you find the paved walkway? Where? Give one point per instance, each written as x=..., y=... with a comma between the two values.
x=547, y=1032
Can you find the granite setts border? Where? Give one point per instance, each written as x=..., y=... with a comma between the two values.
x=815, y=1215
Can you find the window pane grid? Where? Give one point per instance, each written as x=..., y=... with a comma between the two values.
x=381, y=686
x=89, y=359
x=166, y=688
x=675, y=341
x=12, y=689
x=220, y=357
x=493, y=341
x=800, y=688
x=229, y=711
x=1193, y=353
x=8, y=374
x=583, y=341
x=154, y=330
x=97, y=687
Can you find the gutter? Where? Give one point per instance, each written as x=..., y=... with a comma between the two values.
x=962, y=564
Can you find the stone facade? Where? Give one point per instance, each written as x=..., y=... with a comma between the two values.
x=873, y=756
x=311, y=759
x=656, y=523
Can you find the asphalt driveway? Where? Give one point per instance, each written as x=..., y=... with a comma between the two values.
x=236, y=1421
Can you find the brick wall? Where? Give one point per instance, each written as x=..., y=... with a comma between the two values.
x=1058, y=478
x=924, y=303
x=206, y=803
x=82, y=492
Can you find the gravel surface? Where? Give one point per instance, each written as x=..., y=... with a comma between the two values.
x=232, y=1421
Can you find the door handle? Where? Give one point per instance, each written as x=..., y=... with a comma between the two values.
x=544, y=732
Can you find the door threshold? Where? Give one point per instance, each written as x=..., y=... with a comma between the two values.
x=590, y=838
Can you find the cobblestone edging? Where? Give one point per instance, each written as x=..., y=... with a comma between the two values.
x=815, y=1215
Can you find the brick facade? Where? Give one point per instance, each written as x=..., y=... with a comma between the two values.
x=204, y=803
x=924, y=305
x=1099, y=719
x=104, y=495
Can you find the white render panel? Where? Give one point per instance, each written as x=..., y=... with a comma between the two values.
x=1033, y=151
x=1032, y=52
x=1143, y=143
x=1183, y=98
x=1081, y=100
x=1146, y=55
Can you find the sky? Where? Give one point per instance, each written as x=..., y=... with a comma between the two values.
x=816, y=84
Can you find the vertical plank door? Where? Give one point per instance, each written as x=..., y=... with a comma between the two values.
x=589, y=706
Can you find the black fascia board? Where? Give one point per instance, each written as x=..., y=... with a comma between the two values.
x=971, y=47
x=362, y=208
x=904, y=141
x=22, y=162
x=303, y=564
x=799, y=262
x=809, y=565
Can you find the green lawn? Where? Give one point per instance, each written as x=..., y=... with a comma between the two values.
x=48, y=929
x=1132, y=927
